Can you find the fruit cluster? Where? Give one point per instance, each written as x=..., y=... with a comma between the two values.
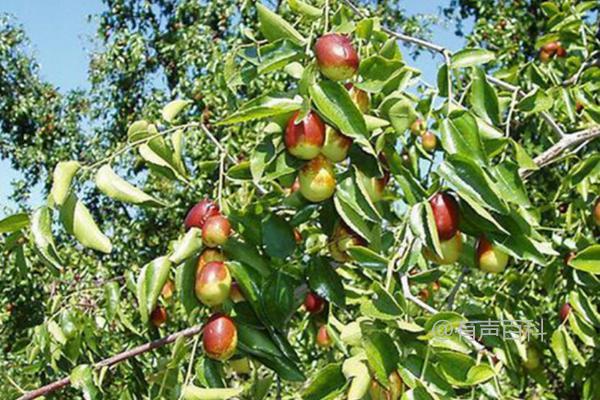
x=551, y=49
x=446, y=213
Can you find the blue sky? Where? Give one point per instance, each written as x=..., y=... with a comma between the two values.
x=60, y=36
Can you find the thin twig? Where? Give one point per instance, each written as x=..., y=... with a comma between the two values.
x=454, y=291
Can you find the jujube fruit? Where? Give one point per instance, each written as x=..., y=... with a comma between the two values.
x=304, y=139
x=317, y=179
x=359, y=97
x=597, y=212
x=158, y=316
x=314, y=303
x=417, y=127
x=213, y=283
x=336, y=145
x=219, y=337
x=429, y=141
x=323, y=340
x=394, y=391
x=489, y=257
x=198, y=214
x=168, y=289
x=564, y=312
x=209, y=255
x=336, y=57
x=235, y=293
x=446, y=215
x=216, y=231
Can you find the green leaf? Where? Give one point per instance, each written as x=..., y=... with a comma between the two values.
x=327, y=384
x=382, y=305
x=277, y=55
x=402, y=114
x=78, y=221
x=377, y=71
x=442, y=80
x=584, y=331
x=266, y=106
x=523, y=159
x=185, y=282
x=559, y=347
x=470, y=180
x=367, y=258
x=187, y=246
x=354, y=369
x=112, y=296
x=324, y=281
x=588, y=167
x=119, y=189
x=573, y=350
x=587, y=260
x=41, y=232
x=334, y=102
x=484, y=98
x=150, y=282
x=469, y=57
x=278, y=298
x=454, y=367
x=14, y=222
x=304, y=9
x=479, y=373
x=191, y=392
x=61, y=180
x=82, y=378
x=247, y=254
x=274, y=27
x=382, y=354
x=354, y=220
x=535, y=102
x=172, y=110
x=138, y=130
x=422, y=224
x=278, y=237
x=460, y=135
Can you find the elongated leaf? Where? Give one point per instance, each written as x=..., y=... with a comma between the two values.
x=247, y=254
x=191, y=392
x=266, y=106
x=305, y=9
x=187, y=246
x=470, y=57
x=150, y=282
x=277, y=55
x=61, y=180
x=119, y=189
x=14, y=222
x=185, y=279
x=352, y=218
x=382, y=354
x=559, y=347
x=41, y=232
x=138, y=130
x=470, y=179
x=172, y=110
x=278, y=237
x=535, y=102
x=274, y=27
x=334, y=102
x=78, y=221
x=278, y=298
x=327, y=384
x=484, y=98
x=402, y=114
x=367, y=258
x=112, y=297
x=82, y=378
x=324, y=281
x=460, y=135
x=587, y=260
x=354, y=368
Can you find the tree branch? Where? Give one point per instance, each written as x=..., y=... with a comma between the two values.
x=553, y=153
x=144, y=348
